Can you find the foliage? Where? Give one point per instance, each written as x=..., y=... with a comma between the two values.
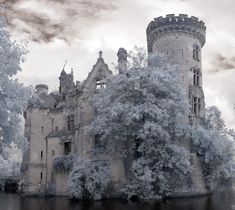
x=215, y=148
x=144, y=112
x=142, y=118
x=89, y=179
x=152, y=100
x=137, y=58
x=8, y=169
x=212, y=119
x=13, y=94
x=152, y=177
x=62, y=163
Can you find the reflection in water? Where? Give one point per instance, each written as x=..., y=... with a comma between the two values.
x=218, y=201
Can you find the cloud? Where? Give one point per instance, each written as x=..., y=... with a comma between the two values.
x=93, y=25
x=222, y=63
x=45, y=20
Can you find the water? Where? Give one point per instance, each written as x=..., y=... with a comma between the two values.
x=218, y=201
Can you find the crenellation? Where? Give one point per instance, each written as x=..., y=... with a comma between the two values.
x=194, y=19
x=202, y=24
x=182, y=16
x=156, y=19
x=171, y=23
x=170, y=16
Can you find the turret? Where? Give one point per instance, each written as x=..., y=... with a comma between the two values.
x=122, y=60
x=181, y=38
x=66, y=83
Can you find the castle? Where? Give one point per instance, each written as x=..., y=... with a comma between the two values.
x=58, y=124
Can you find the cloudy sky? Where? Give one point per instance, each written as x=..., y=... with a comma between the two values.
x=76, y=30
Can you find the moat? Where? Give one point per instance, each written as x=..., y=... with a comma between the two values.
x=218, y=201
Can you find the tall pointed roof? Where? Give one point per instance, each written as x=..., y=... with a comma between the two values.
x=63, y=72
x=99, y=71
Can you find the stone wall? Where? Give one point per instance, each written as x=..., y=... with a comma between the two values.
x=37, y=127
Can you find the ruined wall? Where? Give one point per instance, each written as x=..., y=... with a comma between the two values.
x=37, y=127
x=56, y=181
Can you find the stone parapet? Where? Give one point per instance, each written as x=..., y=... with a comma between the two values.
x=178, y=24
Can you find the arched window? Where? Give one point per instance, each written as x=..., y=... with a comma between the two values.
x=196, y=52
x=196, y=77
x=196, y=106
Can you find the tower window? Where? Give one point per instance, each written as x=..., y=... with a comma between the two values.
x=196, y=52
x=196, y=106
x=196, y=77
x=41, y=175
x=67, y=148
x=41, y=154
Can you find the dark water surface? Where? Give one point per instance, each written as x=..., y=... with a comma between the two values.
x=218, y=201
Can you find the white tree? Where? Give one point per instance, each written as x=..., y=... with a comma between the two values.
x=13, y=94
x=215, y=147
x=89, y=179
x=63, y=163
x=143, y=114
x=213, y=119
x=142, y=117
x=137, y=58
x=8, y=169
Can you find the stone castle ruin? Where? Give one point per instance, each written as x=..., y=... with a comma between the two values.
x=57, y=124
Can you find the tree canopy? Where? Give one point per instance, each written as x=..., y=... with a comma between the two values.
x=142, y=118
x=13, y=94
x=144, y=112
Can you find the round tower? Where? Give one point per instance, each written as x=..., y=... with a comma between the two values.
x=181, y=38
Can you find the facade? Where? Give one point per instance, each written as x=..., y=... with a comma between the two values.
x=57, y=124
